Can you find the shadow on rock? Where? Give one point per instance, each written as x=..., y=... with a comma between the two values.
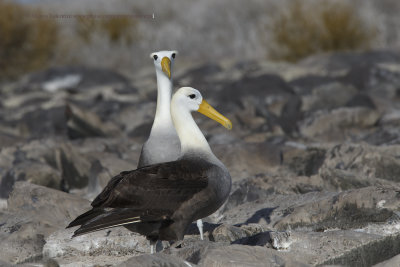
x=260, y=239
x=261, y=214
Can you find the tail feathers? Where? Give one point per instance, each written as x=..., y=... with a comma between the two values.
x=85, y=217
x=108, y=220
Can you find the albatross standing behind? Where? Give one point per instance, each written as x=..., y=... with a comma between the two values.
x=160, y=201
x=163, y=143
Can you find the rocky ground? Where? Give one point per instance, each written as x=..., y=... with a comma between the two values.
x=314, y=157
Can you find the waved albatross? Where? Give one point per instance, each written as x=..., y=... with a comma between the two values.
x=163, y=143
x=161, y=200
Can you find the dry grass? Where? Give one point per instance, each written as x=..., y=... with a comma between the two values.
x=307, y=29
x=85, y=27
x=30, y=41
x=117, y=29
x=212, y=31
x=27, y=42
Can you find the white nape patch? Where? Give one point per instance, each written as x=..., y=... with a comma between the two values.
x=380, y=204
x=58, y=83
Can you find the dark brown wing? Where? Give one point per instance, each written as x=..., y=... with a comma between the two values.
x=160, y=186
x=149, y=193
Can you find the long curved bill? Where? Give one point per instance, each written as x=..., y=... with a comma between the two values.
x=166, y=66
x=210, y=112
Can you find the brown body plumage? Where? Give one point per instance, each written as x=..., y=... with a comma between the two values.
x=159, y=201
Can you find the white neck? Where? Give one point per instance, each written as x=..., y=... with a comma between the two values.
x=163, y=120
x=192, y=139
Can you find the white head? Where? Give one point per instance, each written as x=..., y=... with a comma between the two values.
x=164, y=61
x=189, y=99
x=184, y=101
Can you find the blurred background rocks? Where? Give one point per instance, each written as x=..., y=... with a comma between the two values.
x=312, y=90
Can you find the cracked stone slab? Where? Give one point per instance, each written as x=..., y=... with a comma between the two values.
x=110, y=247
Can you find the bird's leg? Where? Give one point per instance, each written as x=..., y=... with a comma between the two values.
x=152, y=246
x=200, y=226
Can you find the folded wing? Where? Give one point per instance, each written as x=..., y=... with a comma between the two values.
x=147, y=194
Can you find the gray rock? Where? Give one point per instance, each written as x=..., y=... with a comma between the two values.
x=192, y=250
x=248, y=190
x=357, y=165
x=83, y=123
x=33, y=213
x=89, y=77
x=267, y=102
x=7, y=137
x=390, y=118
x=52, y=122
x=328, y=96
x=45, y=204
x=374, y=78
x=74, y=167
x=110, y=246
x=141, y=132
x=67, y=165
x=267, y=210
x=258, y=236
x=346, y=210
x=318, y=210
x=304, y=162
x=15, y=159
x=361, y=247
x=258, y=87
x=203, y=76
x=286, y=206
x=305, y=84
x=348, y=248
x=103, y=169
x=241, y=255
x=137, y=119
x=246, y=159
x=51, y=263
x=361, y=100
x=227, y=233
x=34, y=172
x=276, y=181
x=332, y=62
x=395, y=261
x=260, y=239
x=157, y=259
x=337, y=124
x=382, y=136
x=6, y=264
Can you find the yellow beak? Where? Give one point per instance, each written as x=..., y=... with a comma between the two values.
x=166, y=66
x=210, y=112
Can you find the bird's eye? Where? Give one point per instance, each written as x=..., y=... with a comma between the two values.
x=192, y=96
x=173, y=55
x=155, y=57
